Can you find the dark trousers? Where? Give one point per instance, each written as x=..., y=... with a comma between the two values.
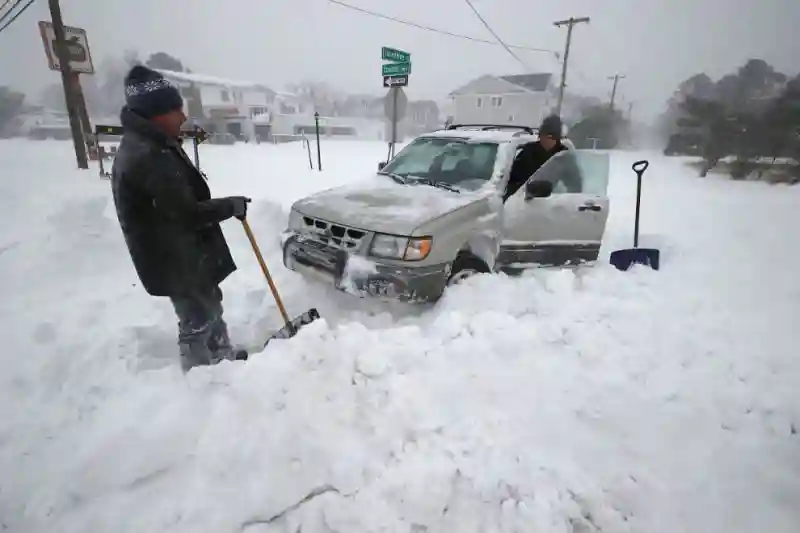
x=202, y=333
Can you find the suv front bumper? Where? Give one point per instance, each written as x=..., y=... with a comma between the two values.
x=329, y=264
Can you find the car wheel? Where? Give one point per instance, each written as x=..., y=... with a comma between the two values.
x=465, y=266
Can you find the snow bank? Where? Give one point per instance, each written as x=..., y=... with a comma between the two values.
x=562, y=401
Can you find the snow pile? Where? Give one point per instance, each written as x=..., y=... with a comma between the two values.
x=356, y=267
x=561, y=401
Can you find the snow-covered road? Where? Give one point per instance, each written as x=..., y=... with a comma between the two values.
x=561, y=401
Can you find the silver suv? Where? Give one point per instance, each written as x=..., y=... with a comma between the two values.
x=434, y=215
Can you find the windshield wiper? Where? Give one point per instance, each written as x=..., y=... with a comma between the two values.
x=396, y=177
x=405, y=180
x=438, y=184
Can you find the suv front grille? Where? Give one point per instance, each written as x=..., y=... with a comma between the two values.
x=335, y=235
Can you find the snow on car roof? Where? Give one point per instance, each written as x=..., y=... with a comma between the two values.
x=498, y=135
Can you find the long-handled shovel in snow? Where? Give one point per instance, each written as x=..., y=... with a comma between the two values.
x=624, y=259
x=291, y=327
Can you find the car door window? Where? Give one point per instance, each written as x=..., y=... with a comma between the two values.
x=563, y=171
x=595, y=169
x=577, y=171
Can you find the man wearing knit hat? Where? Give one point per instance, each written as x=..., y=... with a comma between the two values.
x=170, y=222
x=534, y=155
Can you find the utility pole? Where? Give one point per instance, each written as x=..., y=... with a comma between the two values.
x=569, y=23
x=66, y=79
x=616, y=79
x=83, y=115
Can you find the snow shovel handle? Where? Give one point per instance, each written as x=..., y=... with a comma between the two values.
x=265, y=270
x=639, y=167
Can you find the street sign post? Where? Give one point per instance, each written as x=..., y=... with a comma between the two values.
x=395, y=106
x=395, y=77
x=79, y=61
x=394, y=55
x=395, y=81
x=80, y=58
x=396, y=69
x=67, y=51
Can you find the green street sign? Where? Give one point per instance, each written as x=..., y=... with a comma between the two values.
x=396, y=69
x=392, y=54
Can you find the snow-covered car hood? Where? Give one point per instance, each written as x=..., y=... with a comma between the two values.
x=382, y=205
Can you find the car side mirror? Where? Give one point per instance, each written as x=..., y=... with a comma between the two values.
x=538, y=189
x=381, y=164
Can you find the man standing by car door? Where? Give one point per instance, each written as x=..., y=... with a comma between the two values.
x=532, y=156
x=169, y=220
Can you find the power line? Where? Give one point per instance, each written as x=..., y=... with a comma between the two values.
x=4, y=5
x=10, y=9
x=15, y=17
x=499, y=40
x=435, y=30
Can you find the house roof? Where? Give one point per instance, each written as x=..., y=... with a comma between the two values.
x=532, y=82
x=200, y=79
x=535, y=82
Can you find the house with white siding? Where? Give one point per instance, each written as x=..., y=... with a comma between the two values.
x=228, y=105
x=523, y=99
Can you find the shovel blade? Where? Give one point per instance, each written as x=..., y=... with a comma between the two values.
x=290, y=329
x=624, y=259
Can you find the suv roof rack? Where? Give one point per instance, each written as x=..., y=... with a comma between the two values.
x=488, y=127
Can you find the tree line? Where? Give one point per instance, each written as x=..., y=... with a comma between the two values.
x=750, y=117
x=601, y=127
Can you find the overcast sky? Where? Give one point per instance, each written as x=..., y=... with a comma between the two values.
x=655, y=43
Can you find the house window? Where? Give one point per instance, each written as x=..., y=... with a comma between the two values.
x=225, y=95
x=479, y=102
x=497, y=101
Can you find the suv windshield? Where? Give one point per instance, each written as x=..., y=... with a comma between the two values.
x=449, y=161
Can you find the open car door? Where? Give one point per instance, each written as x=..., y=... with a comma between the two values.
x=562, y=226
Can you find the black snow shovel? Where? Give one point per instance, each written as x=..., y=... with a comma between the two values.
x=291, y=327
x=624, y=259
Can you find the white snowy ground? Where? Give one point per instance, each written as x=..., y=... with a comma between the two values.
x=559, y=402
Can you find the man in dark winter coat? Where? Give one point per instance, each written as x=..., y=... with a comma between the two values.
x=532, y=156
x=169, y=220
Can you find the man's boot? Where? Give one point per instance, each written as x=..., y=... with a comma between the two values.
x=220, y=344
x=195, y=353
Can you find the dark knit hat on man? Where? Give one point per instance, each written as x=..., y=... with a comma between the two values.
x=551, y=126
x=149, y=95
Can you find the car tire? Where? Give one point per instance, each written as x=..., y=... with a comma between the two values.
x=465, y=266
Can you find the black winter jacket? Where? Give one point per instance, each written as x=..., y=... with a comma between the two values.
x=528, y=161
x=165, y=210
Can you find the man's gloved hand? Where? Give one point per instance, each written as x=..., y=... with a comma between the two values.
x=239, y=206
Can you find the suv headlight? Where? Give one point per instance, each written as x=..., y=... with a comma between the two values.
x=404, y=248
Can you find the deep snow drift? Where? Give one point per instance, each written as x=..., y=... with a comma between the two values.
x=562, y=401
